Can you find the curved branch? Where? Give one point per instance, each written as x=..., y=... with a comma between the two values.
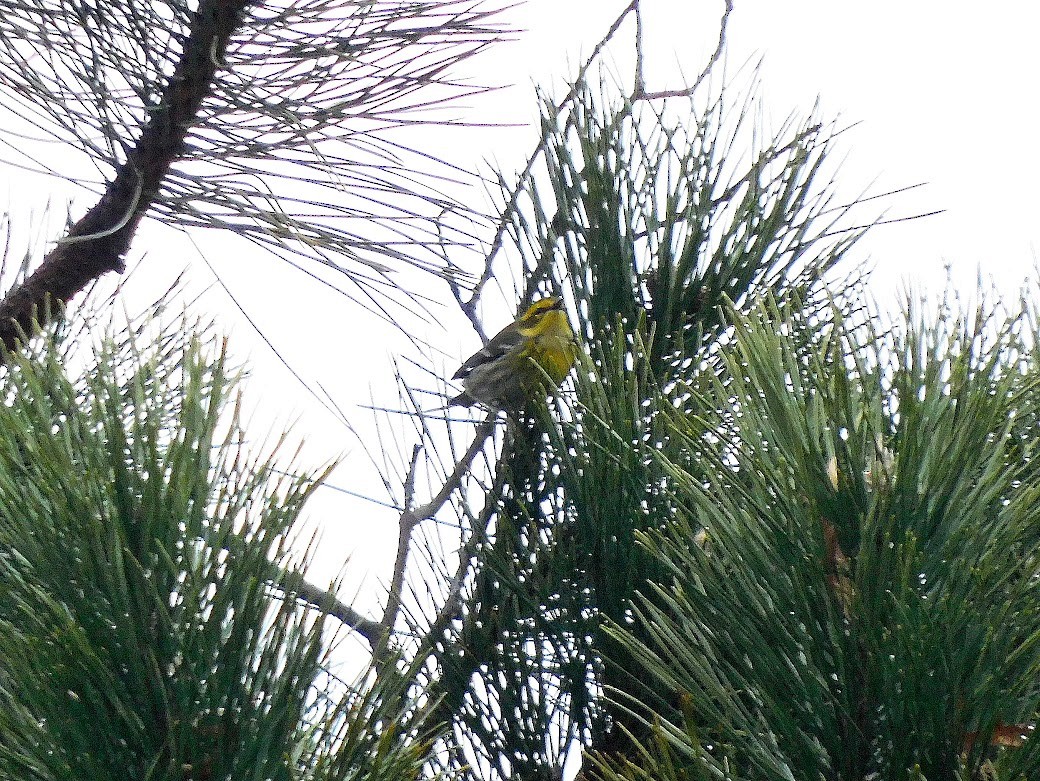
x=377, y=632
x=640, y=92
x=92, y=247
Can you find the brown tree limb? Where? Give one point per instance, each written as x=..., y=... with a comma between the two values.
x=97, y=243
x=325, y=600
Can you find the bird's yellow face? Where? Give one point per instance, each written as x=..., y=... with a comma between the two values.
x=549, y=338
x=545, y=317
x=511, y=368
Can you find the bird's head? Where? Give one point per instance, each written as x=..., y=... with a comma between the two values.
x=544, y=316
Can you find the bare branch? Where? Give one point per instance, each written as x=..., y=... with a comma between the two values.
x=327, y=602
x=640, y=83
x=469, y=306
x=412, y=517
x=640, y=92
x=406, y=525
x=453, y=601
x=377, y=633
x=452, y=482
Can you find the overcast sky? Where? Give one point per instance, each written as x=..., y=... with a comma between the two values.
x=944, y=94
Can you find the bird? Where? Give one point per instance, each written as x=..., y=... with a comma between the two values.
x=520, y=361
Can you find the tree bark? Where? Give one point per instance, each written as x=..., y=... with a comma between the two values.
x=98, y=242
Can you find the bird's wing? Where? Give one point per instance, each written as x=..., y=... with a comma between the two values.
x=505, y=341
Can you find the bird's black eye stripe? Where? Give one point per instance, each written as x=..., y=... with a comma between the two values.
x=539, y=313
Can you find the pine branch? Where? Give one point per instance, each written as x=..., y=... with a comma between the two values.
x=97, y=243
x=326, y=601
x=311, y=93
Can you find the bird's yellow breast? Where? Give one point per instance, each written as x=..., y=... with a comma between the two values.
x=551, y=344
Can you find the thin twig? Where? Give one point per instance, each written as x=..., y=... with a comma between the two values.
x=412, y=516
x=451, y=610
x=469, y=306
x=406, y=525
x=453, y=603
x=639, y=87
x=483, y=431
x=640, y=92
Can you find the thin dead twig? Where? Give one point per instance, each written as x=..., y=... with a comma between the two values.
x=640, y=92
x=468, y=306
x=411, y=517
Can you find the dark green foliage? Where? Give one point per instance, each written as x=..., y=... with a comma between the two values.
x=656, y=219
x=647, y=227
x=146, y=630
x=865, y=599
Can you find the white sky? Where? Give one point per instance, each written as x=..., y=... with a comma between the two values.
x=944, y=94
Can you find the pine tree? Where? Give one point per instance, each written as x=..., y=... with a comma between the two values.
x=851, y=589
x=651, y=233
x=762, y=533
x=766, y=533
x=151, y=625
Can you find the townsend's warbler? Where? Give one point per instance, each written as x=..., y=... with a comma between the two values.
x=518, y=363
